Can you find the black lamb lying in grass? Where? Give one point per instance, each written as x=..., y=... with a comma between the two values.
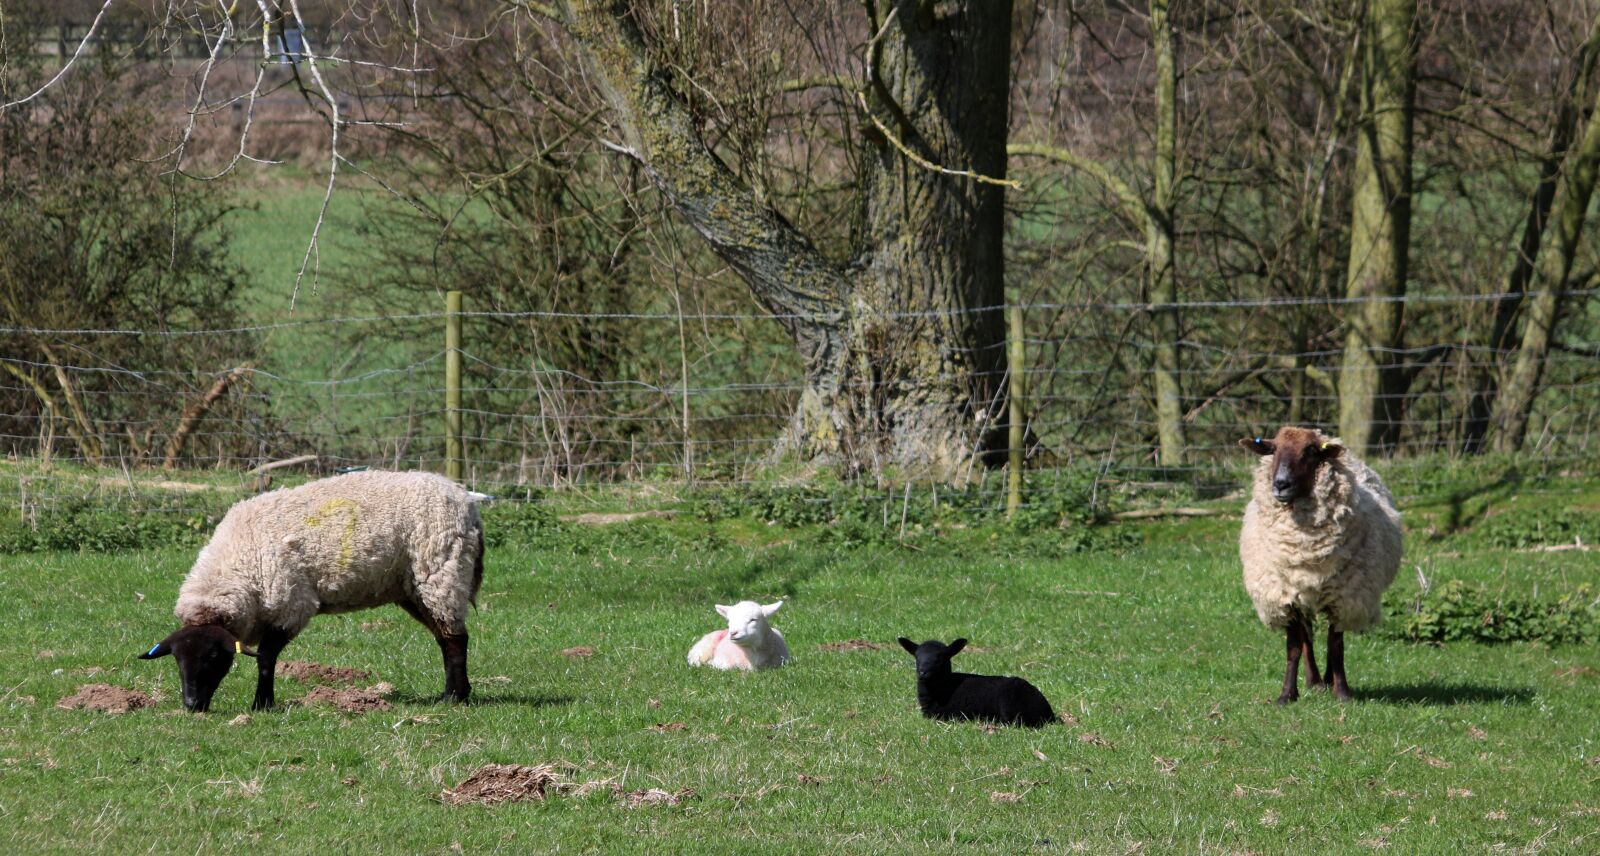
x=945, y=694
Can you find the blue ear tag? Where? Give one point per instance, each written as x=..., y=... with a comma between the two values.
x=152, y=651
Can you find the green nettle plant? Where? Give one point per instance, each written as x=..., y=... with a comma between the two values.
x=1458, y=611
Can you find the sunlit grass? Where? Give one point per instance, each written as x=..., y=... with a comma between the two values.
x=1154, y=652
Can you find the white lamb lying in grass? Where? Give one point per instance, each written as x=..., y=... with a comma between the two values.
x=748, y=643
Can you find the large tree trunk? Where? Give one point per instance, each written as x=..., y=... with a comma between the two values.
x=930, y=387
x=1573, y=192
x=900, y=368
x=1502, y=333
x=1372, y=385
x=1159, y=239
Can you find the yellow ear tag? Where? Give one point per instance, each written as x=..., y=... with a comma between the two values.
x=1325, y=446
x=237, y=648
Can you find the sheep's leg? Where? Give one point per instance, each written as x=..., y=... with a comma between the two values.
x=1336, y=676
x=1295, y=647
x=1308, y=639
x=453, y=645
x=273, y=641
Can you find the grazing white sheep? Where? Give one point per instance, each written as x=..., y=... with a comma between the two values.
x=749, y=642
x=946, y=694
x=334, y=545
x=1321, y=536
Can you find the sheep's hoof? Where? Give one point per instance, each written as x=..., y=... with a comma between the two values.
x=1342, y=694
x=260, y=704
x=1288, y=698
x=449, y=697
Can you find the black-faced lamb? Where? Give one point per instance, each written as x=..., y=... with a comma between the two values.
x=335, y=545
x=947, y=694
x=1321, y=535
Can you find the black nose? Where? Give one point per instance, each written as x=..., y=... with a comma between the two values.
x=1282, y=485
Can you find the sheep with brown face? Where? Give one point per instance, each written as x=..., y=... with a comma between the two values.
x=1321, y=536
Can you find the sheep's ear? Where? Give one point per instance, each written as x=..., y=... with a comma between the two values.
x=771, y=608
x=723, y=610
x=907, y=644
x=1331, y=451
x=955, y=647
x=160, y=649
x=1258, y=445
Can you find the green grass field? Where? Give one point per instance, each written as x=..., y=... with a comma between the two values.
x=1153, y=650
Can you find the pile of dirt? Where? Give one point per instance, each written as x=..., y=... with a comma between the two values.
x=498, y=783
x=578, y=651
x=316, y=673
x=106, y=699
x=852, y=645
x=349, y=699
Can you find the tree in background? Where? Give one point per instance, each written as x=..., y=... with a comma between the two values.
x=838, y=165
x=1154, y=216
x=900, y=338
x=92, y=237
x=1371, y=385
x=1553, y=272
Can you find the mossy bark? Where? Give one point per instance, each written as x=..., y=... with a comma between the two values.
x=904, y=344
x=1573, y=193
x=1502, y=333
x=1372, y=383
x=1159, y=243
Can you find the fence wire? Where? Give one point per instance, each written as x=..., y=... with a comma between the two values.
x=711, y=407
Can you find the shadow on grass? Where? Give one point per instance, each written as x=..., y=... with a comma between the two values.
x=1444, y=694
x=1458, y=516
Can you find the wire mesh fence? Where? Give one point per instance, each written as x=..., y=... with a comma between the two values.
x=370, y=391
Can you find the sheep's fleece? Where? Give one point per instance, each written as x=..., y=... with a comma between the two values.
x=339, y=544
x=1333, y=551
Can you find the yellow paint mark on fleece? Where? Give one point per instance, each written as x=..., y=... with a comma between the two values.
x=347, y=538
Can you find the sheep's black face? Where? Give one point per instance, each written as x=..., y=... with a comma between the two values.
x=1297, y=453
x=933, y=656
x=204, y=655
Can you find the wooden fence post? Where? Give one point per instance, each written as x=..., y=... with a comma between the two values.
x=1014, y=360
x=453, y=449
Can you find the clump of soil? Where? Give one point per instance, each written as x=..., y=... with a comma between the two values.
x=578, y=651
x=852, y=645
x=498, y=783
x=106, y=699
x=656, y=796
x=316, y=673
x=349, y=699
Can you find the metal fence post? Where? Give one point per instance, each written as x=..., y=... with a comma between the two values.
x=453, y=451
x=1014, y=359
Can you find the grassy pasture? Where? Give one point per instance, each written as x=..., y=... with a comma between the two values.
x=1152, y=650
